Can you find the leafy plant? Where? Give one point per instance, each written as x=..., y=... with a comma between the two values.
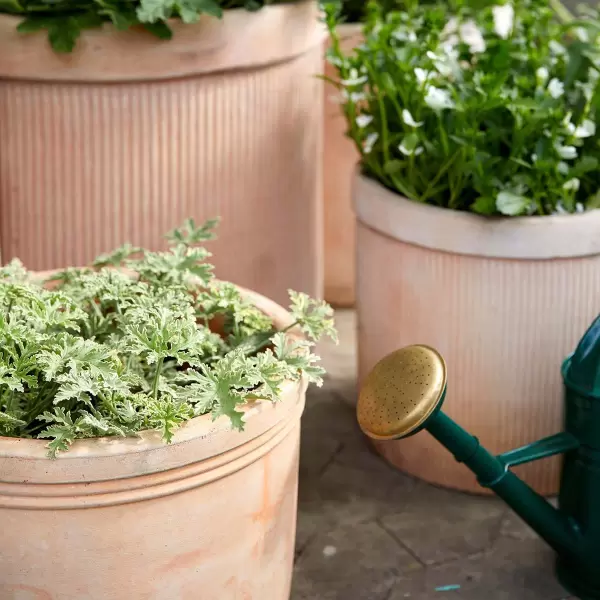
x=480, y=106
x=64, y=20
x=105, y=351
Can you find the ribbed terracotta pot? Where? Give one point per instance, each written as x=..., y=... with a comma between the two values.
x=504, y=301
x=129, y=135
x=339, y=160
x=211, y=516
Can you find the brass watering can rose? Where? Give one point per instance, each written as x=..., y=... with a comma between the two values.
x=401, y=393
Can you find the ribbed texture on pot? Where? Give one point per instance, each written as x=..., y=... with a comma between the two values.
x=85, y=167
x=340, y=158
x=503, y=326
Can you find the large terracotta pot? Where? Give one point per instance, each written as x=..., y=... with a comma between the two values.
x=129, y=135
x=339, y=160
x=212, y=516
x=504, y=300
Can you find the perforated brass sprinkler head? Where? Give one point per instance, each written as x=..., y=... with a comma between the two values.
x=401, y=392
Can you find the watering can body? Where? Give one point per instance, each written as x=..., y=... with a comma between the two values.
x=404, y=394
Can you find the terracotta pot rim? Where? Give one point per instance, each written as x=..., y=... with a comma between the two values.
x=240, y=40
x=199, y=434
x=457, y=232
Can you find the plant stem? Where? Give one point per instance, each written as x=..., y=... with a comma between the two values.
x=159, y=365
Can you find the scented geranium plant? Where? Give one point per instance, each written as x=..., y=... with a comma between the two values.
x=65, y=19
x=490, y=107
x=142, y=340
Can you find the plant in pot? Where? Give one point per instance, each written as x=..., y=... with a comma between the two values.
x=475, y=203
x=150, y=416
x=165, y=109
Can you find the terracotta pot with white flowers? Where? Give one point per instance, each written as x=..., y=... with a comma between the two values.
x=476, y=207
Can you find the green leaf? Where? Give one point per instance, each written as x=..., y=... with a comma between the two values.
x=391, y=167
x=190, y=10
x=64, y=34
x=63, y=436
x=511, y=204
x=154, y=11
x=160, y=30
x=484, y=205
x=409, y=144
x=190, y=234
x=252, y=5
x=11, y=6
x=33, y=24
x=314, y=317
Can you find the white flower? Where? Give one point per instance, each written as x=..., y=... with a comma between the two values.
x=582, y=34
x=446, y=63
x=562, y=168
x=504, y=16
x=354, y=79
x=556, y=88
x=370, y=142
x=422, y=75
x=363, y=120
x=579, y=208
x=404, y=35
x=511, y=204
x=560, y=209
x=471, y=35
x=566, y=152
x=542, y=75
x=534, y=157
x=568, y=125
x=556, y=48
x=571, y=185
x=450, y=27
x=357, y=96
x=468, y=32
x=438, y=99
x=410, y=151
x=409, y=120
x=586, y=129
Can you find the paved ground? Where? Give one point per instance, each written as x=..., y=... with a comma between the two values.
x=367, y=532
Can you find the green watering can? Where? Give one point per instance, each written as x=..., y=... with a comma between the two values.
x=404, y=394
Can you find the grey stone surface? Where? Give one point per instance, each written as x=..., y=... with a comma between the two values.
x=369, y=532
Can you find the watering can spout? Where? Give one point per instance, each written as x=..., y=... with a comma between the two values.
x=404, y=394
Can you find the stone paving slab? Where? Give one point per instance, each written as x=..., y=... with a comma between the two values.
x=369, y=532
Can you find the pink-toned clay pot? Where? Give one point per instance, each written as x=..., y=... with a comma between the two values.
x=129, y=135
x=340, y=158
x=503, y=300
x=211, y=516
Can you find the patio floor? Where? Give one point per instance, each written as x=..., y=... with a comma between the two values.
x=368, y=532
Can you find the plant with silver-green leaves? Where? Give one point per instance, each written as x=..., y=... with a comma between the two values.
x=490, y=107
x=105, y=351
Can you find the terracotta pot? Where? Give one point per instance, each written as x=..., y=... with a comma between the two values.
x=211, y=515
x=340, y=158
x=504, y=300
x=129, y=135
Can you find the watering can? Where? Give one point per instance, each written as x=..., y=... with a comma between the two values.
x=403, y=395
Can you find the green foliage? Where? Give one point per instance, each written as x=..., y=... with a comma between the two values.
x=64, y=20
x=102, y=351
x=479, y=105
